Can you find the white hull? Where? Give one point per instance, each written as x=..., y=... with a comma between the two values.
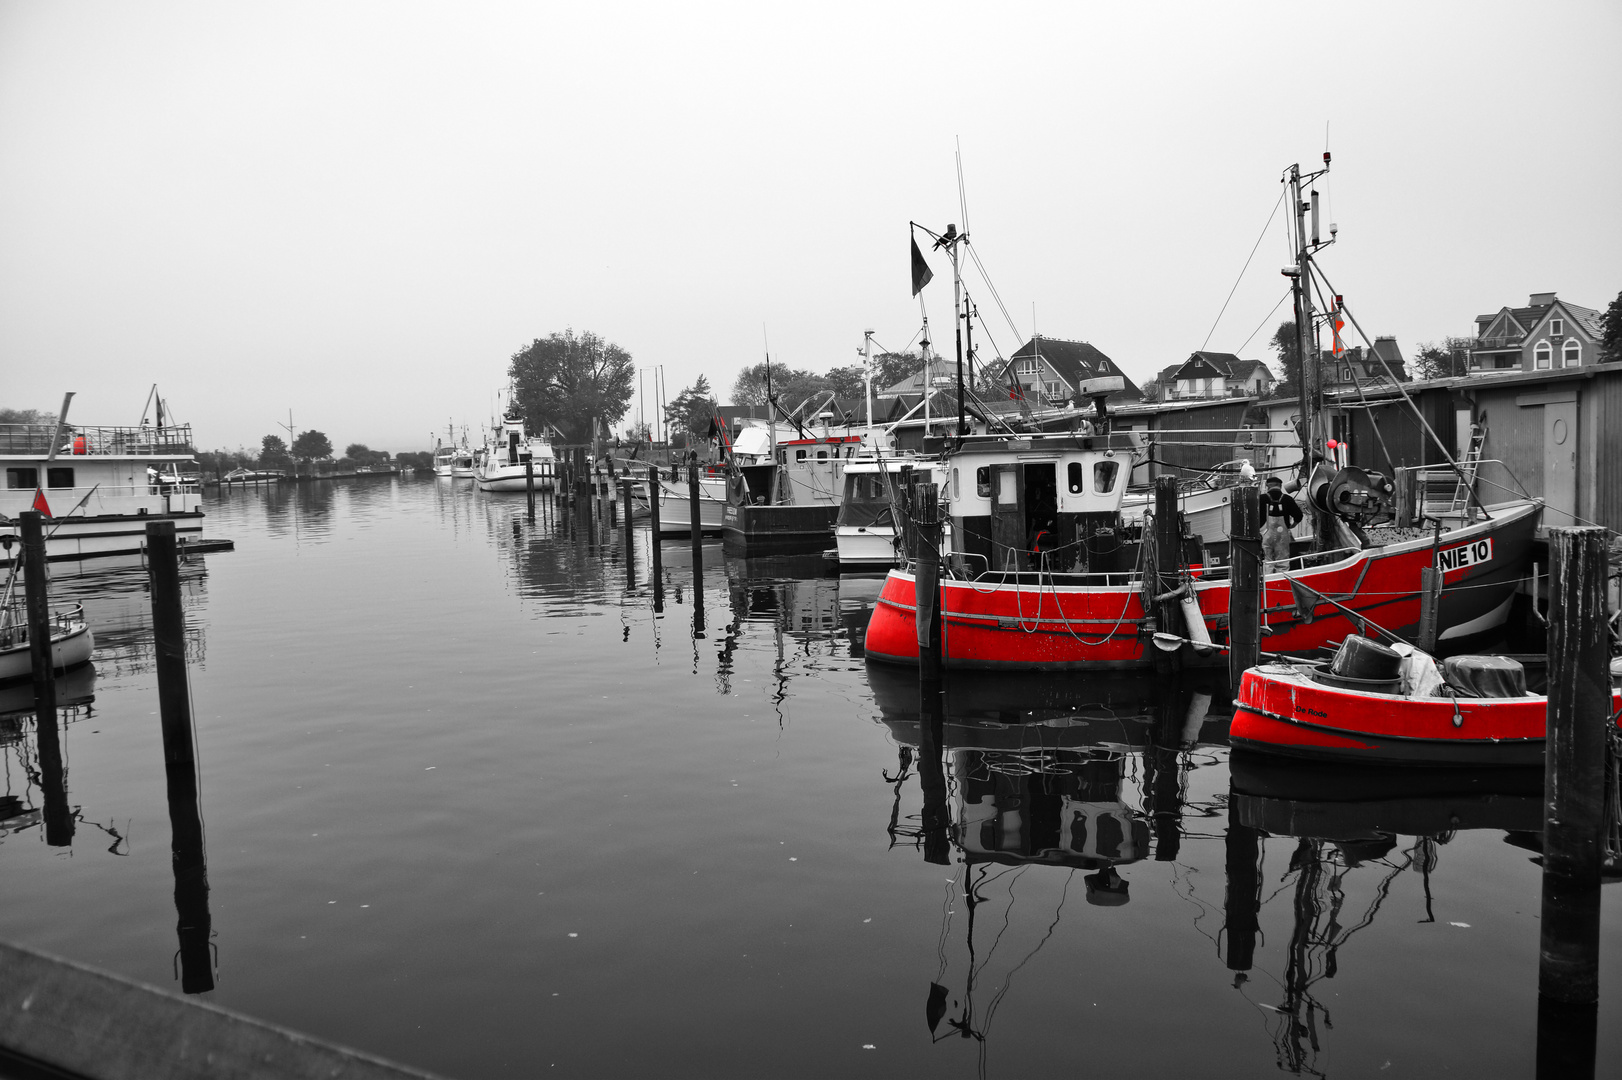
x=676, y=509
x=870, y=545
x=512, y=478
x=69, y=649
x=80, y=544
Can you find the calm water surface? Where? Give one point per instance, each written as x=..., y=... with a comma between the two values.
x=472, y=804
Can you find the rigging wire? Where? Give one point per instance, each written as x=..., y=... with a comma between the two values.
x=1265, y=319
x=1242, y=270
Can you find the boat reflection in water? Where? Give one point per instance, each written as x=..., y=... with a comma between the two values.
x=1348, y=833
x=1026, y=773
x=41, y=798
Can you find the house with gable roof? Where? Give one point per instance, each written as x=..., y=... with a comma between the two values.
x=1359, y=367
x=1050, y=370
x=1548, y=333
x=1215, y=375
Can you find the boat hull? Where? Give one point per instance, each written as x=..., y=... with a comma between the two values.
x=865, y=545
x=513, y=478
x=778, y=530
x=676, y=507
x=69, y=649
x=1044, y=623
x=1285, y=712
x=84, y=544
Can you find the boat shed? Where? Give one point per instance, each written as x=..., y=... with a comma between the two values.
x=1552, y=434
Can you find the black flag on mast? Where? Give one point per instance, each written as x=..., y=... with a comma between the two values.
x=921, y=273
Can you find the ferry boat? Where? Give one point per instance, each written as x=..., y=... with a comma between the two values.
x=1395, y=706
x=101, y=486
x=501, y=465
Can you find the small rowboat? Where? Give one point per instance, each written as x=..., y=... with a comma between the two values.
x=1386, y=706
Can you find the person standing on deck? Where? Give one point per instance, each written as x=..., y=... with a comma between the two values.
x=1279, y=516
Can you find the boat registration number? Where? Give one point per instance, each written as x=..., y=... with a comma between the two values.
x=1468, y=555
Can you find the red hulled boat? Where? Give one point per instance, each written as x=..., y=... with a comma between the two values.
x=1472, y=711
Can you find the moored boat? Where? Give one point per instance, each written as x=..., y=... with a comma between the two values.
x=1399, y=708
x=71, y=639
x=512, y=458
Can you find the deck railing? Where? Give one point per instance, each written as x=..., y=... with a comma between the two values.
x=36, y=439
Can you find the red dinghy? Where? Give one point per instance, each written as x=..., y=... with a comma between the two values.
x=1379, y=706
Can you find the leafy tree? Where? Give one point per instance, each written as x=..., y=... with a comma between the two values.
x=1442, y=359
x=790, y=386
x=312, y=446
x=26, y=416
x=1610, y=342
x=691, y=410
x=1287, y=344
x=273, y=452
x=358, y=452
x=566, y=379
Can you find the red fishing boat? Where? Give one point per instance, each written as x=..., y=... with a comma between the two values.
x=1381, y=706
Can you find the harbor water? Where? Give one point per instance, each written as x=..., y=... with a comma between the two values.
x=478, y=800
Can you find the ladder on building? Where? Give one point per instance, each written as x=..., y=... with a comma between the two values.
x=1468, y=464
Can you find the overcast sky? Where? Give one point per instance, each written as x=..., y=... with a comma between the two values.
x=360, y=211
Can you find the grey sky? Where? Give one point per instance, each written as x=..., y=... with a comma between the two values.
x=360, y=211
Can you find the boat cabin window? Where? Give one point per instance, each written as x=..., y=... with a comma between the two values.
x=782, y=457
x=799, y=455
x=59, y=478
x=22, y=478
x=982, y=481
x=822, y=455
x=1104, y=476
x=1073, y=477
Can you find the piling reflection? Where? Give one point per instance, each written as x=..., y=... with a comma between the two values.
x=32, y=742
x=1346, y=835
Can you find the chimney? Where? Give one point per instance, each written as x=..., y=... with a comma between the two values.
x=1541, y=299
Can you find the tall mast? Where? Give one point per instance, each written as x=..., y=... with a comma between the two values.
x=950, y=241
x=867, y=372
x=1311, y=371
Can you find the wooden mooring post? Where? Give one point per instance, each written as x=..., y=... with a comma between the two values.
x=1430, y=607
x=927, y=564
x=1574, y=767
x=37, y=609
x=698, y=547
x=1168, y=569
x=630, y=550
x=1245, y=582
x=194, y=924
x=529, y=486
x=653, y=539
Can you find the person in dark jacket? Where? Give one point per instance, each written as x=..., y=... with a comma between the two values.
x=1279, y=516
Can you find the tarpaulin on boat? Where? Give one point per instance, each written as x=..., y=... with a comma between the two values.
x=1484, y=676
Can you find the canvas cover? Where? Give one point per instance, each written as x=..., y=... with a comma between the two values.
x=1484, y=676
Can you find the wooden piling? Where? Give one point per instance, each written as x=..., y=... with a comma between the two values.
x=653, y=539
x=169, y=643
x=1245, y=582
x=698, y=548
x=925, y=513
x=1430, y=607
x=529, y=486
x=1574, y=766
x=37, y=610
x=630, y=550
x=1168, y=534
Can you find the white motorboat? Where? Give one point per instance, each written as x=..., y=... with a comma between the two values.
x=865, y=532
x=71, y=640
x=504, y=464
x=100, y=485
x=676, y=505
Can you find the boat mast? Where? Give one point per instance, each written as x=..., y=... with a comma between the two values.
x=1315, y=434
x=950, y=240
x=867, y=372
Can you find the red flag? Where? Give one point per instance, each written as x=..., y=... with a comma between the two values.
x=40, y=504
x=1340, y=346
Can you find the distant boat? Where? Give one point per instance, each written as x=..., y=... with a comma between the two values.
x=252, y=476
x=502, y=464
x=71, y=639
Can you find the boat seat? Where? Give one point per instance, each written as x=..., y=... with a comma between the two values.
x=1484, y=676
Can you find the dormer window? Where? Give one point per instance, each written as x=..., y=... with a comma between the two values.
x=1542, y=355
x=1571, y=353
x=1557, y=327
x=1028, y=365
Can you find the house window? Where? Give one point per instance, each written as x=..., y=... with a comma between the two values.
x=1557, y=327
x=1053, y=389
x=59, y=477
x=1542, y=355
x=1571, y=353
x=1028, y=365
x=22, y=478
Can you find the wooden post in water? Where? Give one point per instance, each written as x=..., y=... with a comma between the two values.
x=529, y=486
x=630, y=551
x=1168, y=568
x=1245, y=592
x=169, y=643
x=1574, y=766
x=653, y=539
x=927, y=582
x=1430, y=607
x=698, y=547
x=37, y=606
